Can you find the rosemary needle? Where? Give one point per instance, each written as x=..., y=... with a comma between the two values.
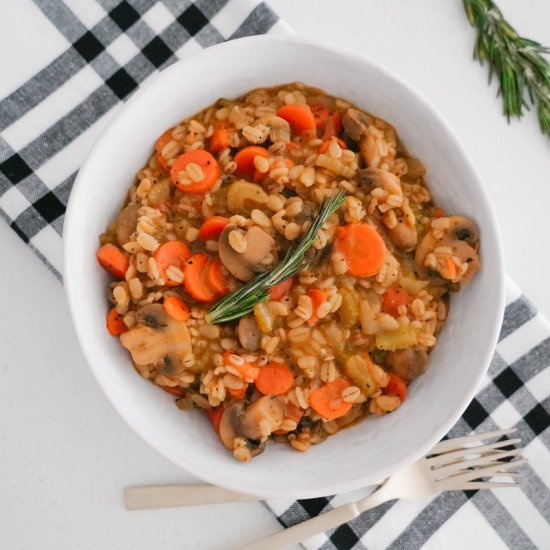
x=242, y=301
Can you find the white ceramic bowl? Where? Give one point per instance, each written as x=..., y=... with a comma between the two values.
x=374, y=448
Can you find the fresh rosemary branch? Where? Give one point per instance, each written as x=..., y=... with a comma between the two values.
x=518, y=63
x=242, y=301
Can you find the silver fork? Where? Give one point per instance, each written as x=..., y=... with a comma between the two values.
x=454, y=464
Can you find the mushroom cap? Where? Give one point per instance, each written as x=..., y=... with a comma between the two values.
x=243, y=265
x=249, y=333
x=407, y=363
x=461, y=235
x=158, y=340
x=126, y=223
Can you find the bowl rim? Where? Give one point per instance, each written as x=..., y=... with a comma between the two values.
x=71, y=219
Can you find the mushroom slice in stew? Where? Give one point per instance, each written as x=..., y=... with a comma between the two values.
x=158, y=340
x=450, y=241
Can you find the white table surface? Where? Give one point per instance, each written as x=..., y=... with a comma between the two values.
x=65, y=455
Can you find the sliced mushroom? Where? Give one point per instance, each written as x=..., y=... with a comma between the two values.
x=126, y=223
x=252, y=424
x=374, y=177
x=404, y=235
x=242, y=197
x=262, y=418
x=244, y=265
x=279, y=128
x=158, y=340
x=355, y=123
x=249, y=333
x=457, y=234
x=407, y=363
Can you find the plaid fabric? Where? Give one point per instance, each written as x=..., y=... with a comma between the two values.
x=93, y=55
x=84, y=59
x=515, y=392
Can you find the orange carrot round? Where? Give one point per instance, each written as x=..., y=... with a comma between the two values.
x=215, y=279
x=282, y=289
x=292, y=412
x=176, y=308
x=113, y=260
x=194, y=278
x=320, y=113
x=245, y=369
x=393, y=299
x=327, y=400
x=325, y=145
x=215, y=416
x=362, y=247
x=220, y=138
x=208, y=165
x=450, y=269
x=396, y=386
x=332, y=126
x=162, y=141
x=274, y=379
x=318, y=297
x=173, y=390
x=171, y=253
x=299, y=116
x=245, y=159
x=212, y=227
x=115, y=324
x=238, y=394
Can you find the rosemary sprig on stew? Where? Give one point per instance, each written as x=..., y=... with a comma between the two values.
x=517, y=62
x=242, y=301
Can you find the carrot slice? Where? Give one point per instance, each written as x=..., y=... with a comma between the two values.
x=215, y=278
x=194, y=278
x=362, y=247
x=238, y=394
x=176, y=308
x=220, y=138
x=332, y=126
x=171, y=253
x=162, y=141
x=327, y=400
x=208, y=165
x=212, y=227
x=115, y=324
x=318, y=297
x=299, y=116
x=320, y=113
x=245, y=159
x=259, y=176
x=282, y=289
x=274, y=379
x=215, y=416
x=113, y=260
x=325, y=145
x=396, y=386
x=450, y=271
x=292, y=412
x=245, y=369
x=393, y=299
x=174, y=390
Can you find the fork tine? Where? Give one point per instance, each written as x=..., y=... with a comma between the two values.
x=451, y=444
x=464, y=451
x=444, y=470
x=492, y=471
x=486, y=485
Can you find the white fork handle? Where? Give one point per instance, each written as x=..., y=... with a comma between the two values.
x=169, y=496
x=313, y=526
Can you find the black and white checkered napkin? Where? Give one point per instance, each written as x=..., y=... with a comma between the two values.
x=76, y=62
